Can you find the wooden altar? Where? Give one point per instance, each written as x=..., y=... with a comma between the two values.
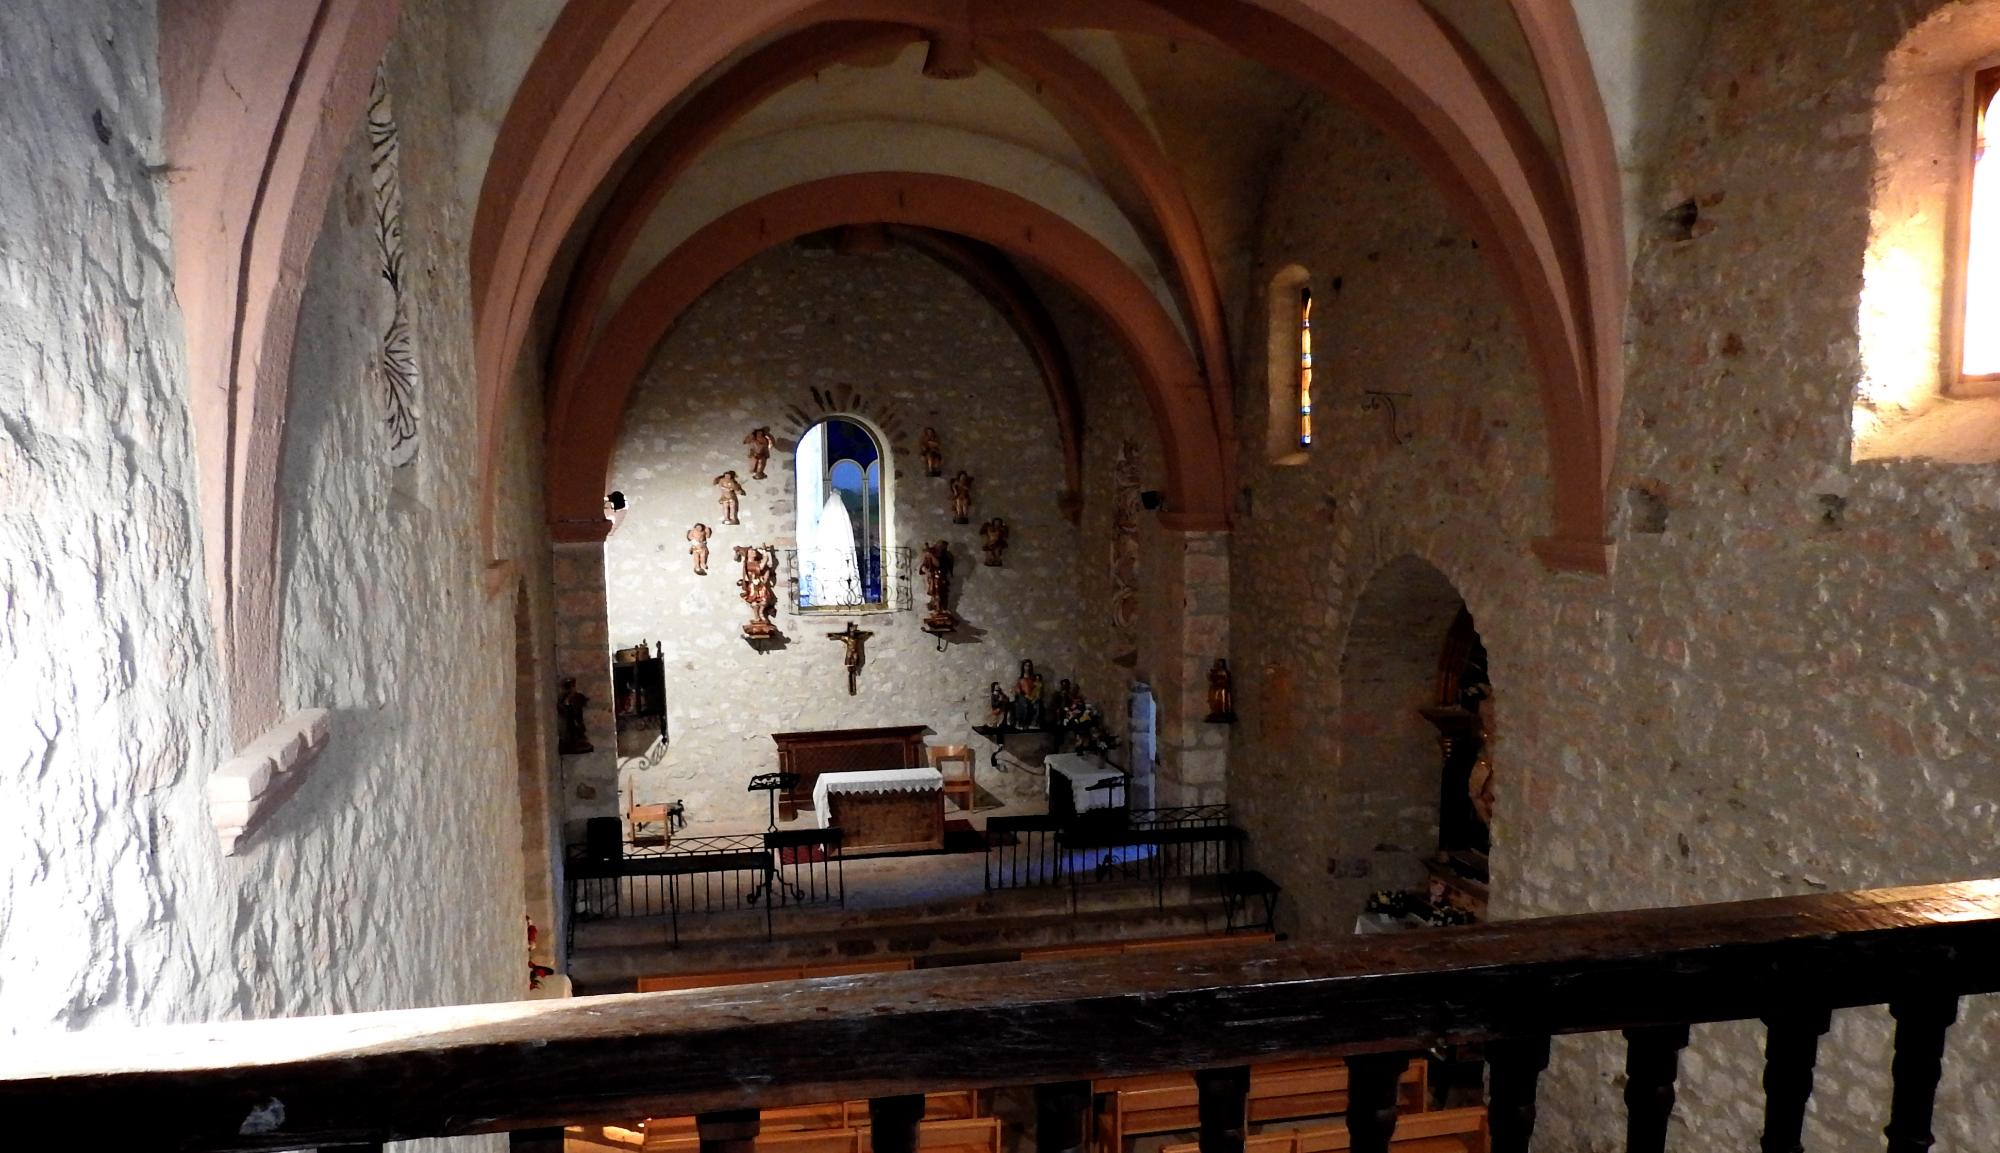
x=884, y=810
x=811, y=753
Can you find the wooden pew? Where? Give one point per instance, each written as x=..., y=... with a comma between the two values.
x=959, y=1105
x=957, y=1135
x=1149, y=945
x=1441, y=1131
x=1128, y=1107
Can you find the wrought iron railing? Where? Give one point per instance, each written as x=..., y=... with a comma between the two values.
x=708, y=874
x=1103, y=845
x=868, y=580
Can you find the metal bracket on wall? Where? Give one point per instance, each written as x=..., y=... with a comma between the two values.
x=1373, y=400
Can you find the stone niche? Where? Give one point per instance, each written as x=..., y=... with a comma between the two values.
x=797, y=335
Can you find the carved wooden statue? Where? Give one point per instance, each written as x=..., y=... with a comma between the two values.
x=1026, y=712
x=759, y=440
x=569, y=713
x=728, y=489
x=997, y=705
x=993, y=539
x=961, y=498
x=757, y=586
x=698, y=547
x=1221, y=694
x=854, y=656
x=932, y=452
x=935, y=568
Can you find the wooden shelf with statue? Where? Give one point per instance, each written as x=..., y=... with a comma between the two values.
x=639, y=687
x=1062, y=720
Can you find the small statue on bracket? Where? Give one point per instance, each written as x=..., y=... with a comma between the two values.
x=993, y=540
x=757, y=585
x=1025, y=711
x=997, y=705
x=935, y=568
x=932, y=451
x=569, y=713
x=854, y=655
x=1221, y=694
x=961, y=498
x=728, y=489
x=698, y=547
x=759, y=440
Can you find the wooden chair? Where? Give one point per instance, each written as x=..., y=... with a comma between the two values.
x=650, y=824
x=961, y=784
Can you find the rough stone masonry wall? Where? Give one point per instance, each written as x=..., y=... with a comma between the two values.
x=918, y=347
x=1337, y=792
x=390, y=879
x=1795, y=661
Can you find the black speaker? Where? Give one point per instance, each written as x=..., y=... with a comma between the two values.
x=603, y=838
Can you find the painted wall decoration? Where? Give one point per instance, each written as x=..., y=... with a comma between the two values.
x=1125, y=541
x=398, y=354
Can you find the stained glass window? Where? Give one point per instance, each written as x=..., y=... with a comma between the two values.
x=840, y=516
x=1305, y=368
x=1980, y=355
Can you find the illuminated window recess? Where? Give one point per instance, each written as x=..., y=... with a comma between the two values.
x=1305, y=368
x=1980, y=358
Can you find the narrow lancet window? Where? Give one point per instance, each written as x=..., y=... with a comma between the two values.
x=1305, y=368
x=841, y=516
x=1980, y=359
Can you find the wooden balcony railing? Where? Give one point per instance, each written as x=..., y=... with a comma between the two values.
x=723, y=1053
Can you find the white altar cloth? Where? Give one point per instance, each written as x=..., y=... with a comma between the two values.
x=1082, y=772
x=873, y=781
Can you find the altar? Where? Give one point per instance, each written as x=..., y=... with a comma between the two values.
x=885, y=810
x=1084, y=783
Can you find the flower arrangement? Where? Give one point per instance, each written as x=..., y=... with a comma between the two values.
x=1409, y=905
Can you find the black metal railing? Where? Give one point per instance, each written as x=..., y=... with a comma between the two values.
x=1107, y=845
x=876, y=578
x=710, y=874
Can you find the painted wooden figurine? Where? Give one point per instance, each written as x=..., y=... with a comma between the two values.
x=993, y=539
x=728, y=489
x=961, y=498
x=1221, y=694
x=935, y=568
x=757, y=586
x=759, y=440
x=853, y=656
x=569, y=712
x=698, y=547
x=932, y=451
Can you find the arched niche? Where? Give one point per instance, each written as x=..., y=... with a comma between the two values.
x=1406, y=698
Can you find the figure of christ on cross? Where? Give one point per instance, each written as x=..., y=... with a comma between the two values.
x=854, y=656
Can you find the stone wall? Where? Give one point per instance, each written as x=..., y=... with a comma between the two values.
x=794, y=335
x=1450, y=481
x=1788, y=683
x=393, y=877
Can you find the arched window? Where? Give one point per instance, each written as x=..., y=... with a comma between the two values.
x=843, y=528
x=1290, y=429
x=1979, y=347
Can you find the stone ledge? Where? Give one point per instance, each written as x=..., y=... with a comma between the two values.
x=246, y=788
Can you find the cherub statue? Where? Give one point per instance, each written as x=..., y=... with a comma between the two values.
x=932, y=451
x=698, y=547
x=759, y=440
x=993, y=538
x=961, y=498
x=728, y=489
x=757, y=586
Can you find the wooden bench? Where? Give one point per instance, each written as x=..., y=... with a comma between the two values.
x=939, y=1109
x=1441, y=1131
x=1126, y=1107
x=951, y=1135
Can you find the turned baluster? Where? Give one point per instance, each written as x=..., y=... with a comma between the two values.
x=728, y=1131
x=1221, y=1103
x=894, y=1122
x=1515, y=1067
x=1059, y=1110
x=1920, y=1026
x=1652, y=1059
x=1372, y=1082
x=1791, y=1048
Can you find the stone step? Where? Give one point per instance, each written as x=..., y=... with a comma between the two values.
x=612, y=954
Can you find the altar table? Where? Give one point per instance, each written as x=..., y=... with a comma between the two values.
x=1081, y=772
x=886, y=810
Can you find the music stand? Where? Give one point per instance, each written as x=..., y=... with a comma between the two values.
x=774, y=783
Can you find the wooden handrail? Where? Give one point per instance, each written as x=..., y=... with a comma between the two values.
x=485, y=1068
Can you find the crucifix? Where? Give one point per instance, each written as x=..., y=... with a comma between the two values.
x=852, y=638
